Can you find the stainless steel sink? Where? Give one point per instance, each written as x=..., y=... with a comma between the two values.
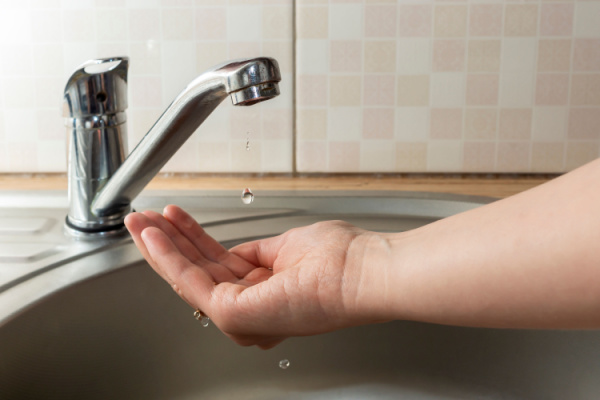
x=90, y=320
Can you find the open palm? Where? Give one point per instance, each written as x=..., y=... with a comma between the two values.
x=305, y=281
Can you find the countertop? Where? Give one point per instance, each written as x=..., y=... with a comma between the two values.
x=480, y=185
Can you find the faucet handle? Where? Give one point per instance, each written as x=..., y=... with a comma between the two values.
x=97, y=87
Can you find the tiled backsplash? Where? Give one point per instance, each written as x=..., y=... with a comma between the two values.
x=380, y=86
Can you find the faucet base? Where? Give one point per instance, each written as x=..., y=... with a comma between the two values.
x=95, y=232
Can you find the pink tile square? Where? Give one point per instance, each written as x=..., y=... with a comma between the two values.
x=485, y=20
x=312, y=90
x=379, y=90
x=585, y=89
x=346, y=56
x=378, y=123
x=586, y=55
x=515, y=124
x=513, y=156
x=584, y=123
x=380, y=20
x=277, y=124
x=312, y=156
x=482, y=89
x=480, y=123
x=344, y=157
x=479, y=156
x=449, y=55
x=552, y=89
x=446, y=123
x=415, y=20
x=557, y=19
x=554, y=55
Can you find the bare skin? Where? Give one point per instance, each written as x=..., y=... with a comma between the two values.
x=528, y=261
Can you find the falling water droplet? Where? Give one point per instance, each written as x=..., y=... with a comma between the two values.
x=205, y=321
x=247, y=141
x=247, y=196
x=284, y=364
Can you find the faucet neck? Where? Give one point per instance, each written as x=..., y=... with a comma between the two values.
x=102, y=183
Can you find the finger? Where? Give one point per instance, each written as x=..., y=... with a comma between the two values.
x=192, y=282
x=210, y=248
x=261, y=252
x=220, y=273
x=136, y=223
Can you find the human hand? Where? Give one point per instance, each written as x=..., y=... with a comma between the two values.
x=306, y=281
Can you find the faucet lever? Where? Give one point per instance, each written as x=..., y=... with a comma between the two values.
x=102, y=183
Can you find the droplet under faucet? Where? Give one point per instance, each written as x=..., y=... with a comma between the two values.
x=102, y=182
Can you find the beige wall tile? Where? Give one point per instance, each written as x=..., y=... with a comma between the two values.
x=380, y=56
x=312, y=124
x=345, y=91
x=411, y=157
x=413, y=90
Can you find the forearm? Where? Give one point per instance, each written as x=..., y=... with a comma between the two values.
x=528, y=261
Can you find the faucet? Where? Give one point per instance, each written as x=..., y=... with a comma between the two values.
x=102, y=182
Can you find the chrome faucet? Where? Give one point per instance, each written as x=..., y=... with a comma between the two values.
x=102, y=182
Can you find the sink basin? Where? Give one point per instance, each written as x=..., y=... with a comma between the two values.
x=91, y=320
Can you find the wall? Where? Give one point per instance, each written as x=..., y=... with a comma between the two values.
x=381, y=86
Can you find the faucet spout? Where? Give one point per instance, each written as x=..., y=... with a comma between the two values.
x=247, y=82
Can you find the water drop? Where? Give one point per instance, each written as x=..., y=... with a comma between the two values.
x=247, y=141
x=205, y=321
x=247, y=196
x=284, y=364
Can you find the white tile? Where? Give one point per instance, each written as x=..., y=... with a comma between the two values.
x=15, y=26
x=145, y=58
x=78, y=26
x=243, y=160
x=111, y=25
x=20, y=126
x=48, y=59
x=216, y=127
x=51, y=124
x=346, y=21
x=112, y=49
x=516, y=89
x=214, y=157
x=549, y=123
x=177, y=24
x=46, y=25
x=76, y=54
x=344, y=123
x=77, y=4
x=447, y=89
x=518, y=55
x=587, y=19
x=142, y=3
x=16, y=60
x=312, y=56
x=377, y=156
x=18, y=92
x=52, y=156
x=413, y=56
x=444, y=156
x=244, y=23
x=49, y=92
x=139, y=123
x=412, y=124
x=178, y=68
x=276, y=155
x=184, y=160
